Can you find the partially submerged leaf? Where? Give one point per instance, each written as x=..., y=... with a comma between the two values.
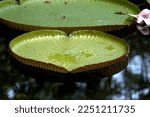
x=81, y=51
x=67, y=15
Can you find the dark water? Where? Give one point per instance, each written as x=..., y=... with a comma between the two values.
x=132, y=83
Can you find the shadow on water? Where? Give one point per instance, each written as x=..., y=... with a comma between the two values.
x=132, y=83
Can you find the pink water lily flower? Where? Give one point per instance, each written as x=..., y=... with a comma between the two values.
x=143, y=16
x=143, y=21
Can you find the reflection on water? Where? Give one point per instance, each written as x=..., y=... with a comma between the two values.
x=132, y=83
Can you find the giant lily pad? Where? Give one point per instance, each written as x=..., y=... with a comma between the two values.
x=67, y=15
x=82, y=53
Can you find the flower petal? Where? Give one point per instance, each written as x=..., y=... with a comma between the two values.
x=139, y=27
x=145, y=13
x=140, y=19
x=147, y=21
x=145, y=31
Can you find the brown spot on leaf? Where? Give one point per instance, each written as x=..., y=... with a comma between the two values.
x=61, y=18
x=120, y=13
x=47, y=1
x=65, y=3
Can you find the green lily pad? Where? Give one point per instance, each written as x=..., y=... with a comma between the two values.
x=79, y=52
x=67, y=15
x=148, y=1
